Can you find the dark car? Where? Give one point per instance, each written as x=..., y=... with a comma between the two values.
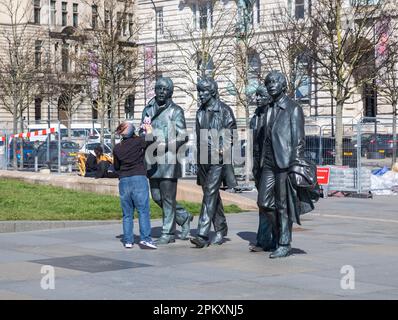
x=69, y=150
x=27, y=150
x=379, y=143
x=322, y=151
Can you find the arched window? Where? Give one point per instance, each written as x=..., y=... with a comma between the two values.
x=129, y=106
x=204, y=65
x=253, y=75
x=254, y=63
x=38, y=108
x=94, y=109
x=302, y=79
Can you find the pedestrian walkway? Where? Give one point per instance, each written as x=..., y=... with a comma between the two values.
x=343, y=234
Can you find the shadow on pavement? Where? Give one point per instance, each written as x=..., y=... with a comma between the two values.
x=248, y=236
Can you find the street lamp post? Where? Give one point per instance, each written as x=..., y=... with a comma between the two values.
x=48, y=81
x=156, y=40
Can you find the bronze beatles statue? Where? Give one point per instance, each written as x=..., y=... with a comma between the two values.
x=168, y=123
x=283, y=177
x=212, y=116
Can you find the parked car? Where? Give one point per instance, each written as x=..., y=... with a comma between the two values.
x=27, y=150
x=314, y=145
x=381, y=143
x=90, y=132
x=89, y=148
x=69, y=150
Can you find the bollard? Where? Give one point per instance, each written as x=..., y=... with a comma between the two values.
x=70, y=168
x=36, y=164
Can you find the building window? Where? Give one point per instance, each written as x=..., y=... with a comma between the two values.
x=124, y=24
x=302, y=79
x=119, y=23
x=202, y=15
x=131, y=24
x=107, y=20
x=65, y=57
x=38, y=45
x=75, y=15
x=53, y=13
x=159, y=17
x=94, y=109
x=369, y=101
x=94, y=16
x=299, y=9
x=36, y=11
x=256, y=13
x=129, y=106
x=204, y=65
x=64, y=14
x=38, y=108
x=254, y=74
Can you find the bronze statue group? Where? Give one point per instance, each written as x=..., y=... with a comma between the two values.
x=285, y=181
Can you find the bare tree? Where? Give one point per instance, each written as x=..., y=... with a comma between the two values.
x=112, y=59
x=387, y=64
x=245, y=62
x=19, y=76
x=342, y=41
x=284, y=47
x=203, y=46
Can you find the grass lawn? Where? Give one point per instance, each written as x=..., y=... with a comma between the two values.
x=24, y=201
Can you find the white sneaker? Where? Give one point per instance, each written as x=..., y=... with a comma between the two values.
x=128, y=245
x=148, y=244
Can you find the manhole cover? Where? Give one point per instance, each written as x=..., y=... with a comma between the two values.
x=91, y=264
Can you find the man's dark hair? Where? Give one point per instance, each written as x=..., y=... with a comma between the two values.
x=262, y=90
x=208, y=84
x=99, y=150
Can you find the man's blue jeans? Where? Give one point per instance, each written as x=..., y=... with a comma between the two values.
x=134, y=194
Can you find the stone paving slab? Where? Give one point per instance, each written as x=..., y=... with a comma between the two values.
x=323, y=244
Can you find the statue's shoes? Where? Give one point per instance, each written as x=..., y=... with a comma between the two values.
x=165, y=239
x=219, y=239
x=281, y=252
x=186, y=228
x=199, y=242
x=254, y=248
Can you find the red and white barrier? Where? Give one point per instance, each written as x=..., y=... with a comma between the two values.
x=31, y=134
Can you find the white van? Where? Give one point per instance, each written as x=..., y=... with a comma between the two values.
x=90, y=131
x=44, y=126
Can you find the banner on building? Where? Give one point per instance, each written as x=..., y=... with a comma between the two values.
x=149, y=70
x=382, y=30
x=93, y=74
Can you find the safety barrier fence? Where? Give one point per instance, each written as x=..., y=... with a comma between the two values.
x=368, y=144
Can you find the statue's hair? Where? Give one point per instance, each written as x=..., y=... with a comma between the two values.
x=278, y=75
x=167, y=82
x=209, y=84
x=261, y=89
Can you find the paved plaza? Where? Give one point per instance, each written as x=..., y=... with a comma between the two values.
x=358, y=235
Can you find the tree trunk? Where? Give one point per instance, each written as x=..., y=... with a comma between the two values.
x=394, y=132
x=22, y=140
x=14, y=131
x=102, y=129
x=69, y=128
x=339, y=133
x=113, y=109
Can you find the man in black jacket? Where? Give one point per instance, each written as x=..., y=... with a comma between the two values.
x=214, y=124
x=168, y=123
x=283, y=146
